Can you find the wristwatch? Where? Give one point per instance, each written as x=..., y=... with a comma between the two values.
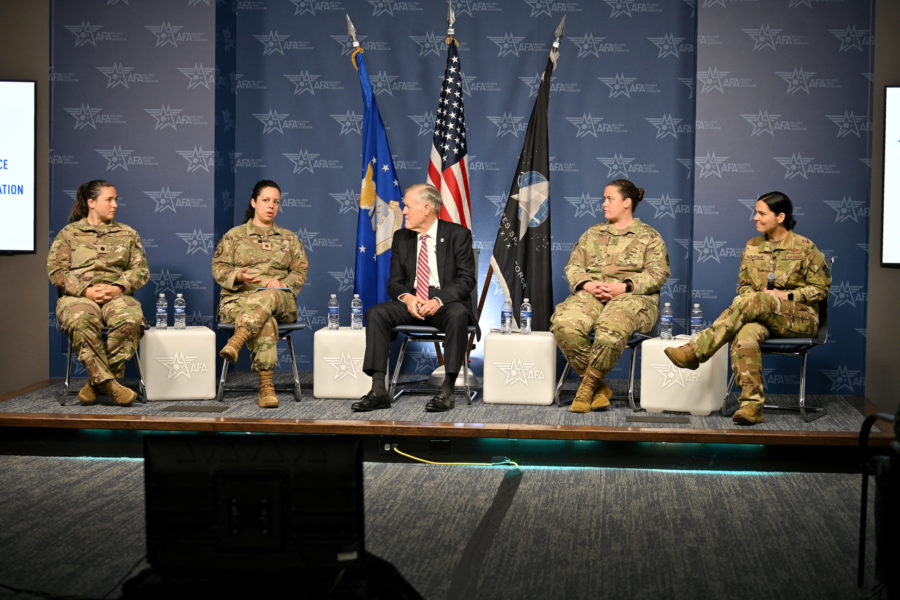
x=629, y=287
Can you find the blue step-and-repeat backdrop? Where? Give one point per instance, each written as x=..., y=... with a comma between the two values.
x=184, y=104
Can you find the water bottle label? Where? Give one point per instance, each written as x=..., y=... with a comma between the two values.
x=179, y=311
x=526, y=314
x=506, y=315
x=665, y=319
x=161, y=310
x=696, y=321
x=332, y=310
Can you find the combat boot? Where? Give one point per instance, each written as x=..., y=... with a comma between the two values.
x=683, y=356
x=121, y=394
x=748, y=414
x=266, y=397
x=602, y=396
x=589, y=382
x=87, y=395
x=233, y=347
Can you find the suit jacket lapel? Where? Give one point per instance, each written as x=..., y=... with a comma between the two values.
x=440, y=248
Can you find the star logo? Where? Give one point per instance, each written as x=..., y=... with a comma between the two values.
x=617, y=165
x=165, y=117
x=708, y=249
x=306, y=315
x=618, y=85
x=666, y=291
x=686, y=244
x=585, y=125
x=164, y=199
x=344, y=279
x=516, y=371
x=508, y=44
x=302, y=161
x=272, y=42
x=667, y=45
x=425, y=122
x=165, y=33
x=346, y=43
x=507, y=124
x=425, y=362
x=533, y=83
x=712, y=80
x=844, y=294
x=709, y=165
x=116, y=158
x=345, y=365
x=165, y=282
x=84, y=33
x=689, y=84
x=664, y=206
x=271, y=121
x=762, y=122
x=381, y=83
x=845, y=209
x=794, y=165
x=308, y=238
x=499, y=203
x=197, y=241
x=198, y=75
x=540, y=7
x=763, y=37
x=850, y=37
x=750, y=204
x=688, y=164
x=428, y=43
x=348, y=201
x=587, y=45
x=84, y=116
x=797, y=80
x=847, y=124
x=350, y=122
x=178, y=365
x=116, y=75
x=620, y=7
x=303, y=82
x=381, y=7
x=665, y=126
x=671, y=375
x=584, y=204
x=841, y=378
x=197, y=159
x=302, y=7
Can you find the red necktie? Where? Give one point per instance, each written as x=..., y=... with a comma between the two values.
x=422, y=270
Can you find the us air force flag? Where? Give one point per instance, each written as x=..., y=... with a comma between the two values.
x=379, y=201
x=521, y=255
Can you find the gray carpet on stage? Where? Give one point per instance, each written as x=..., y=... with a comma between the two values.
x=76, y=527
x=843, y=412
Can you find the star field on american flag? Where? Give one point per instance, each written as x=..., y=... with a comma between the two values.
x=448, y=168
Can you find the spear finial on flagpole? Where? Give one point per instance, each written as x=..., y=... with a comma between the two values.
x=451, y=19
x=351, y=31
x=560, y=30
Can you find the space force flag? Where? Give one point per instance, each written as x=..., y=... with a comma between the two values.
x=521, y=256
x=380, y=201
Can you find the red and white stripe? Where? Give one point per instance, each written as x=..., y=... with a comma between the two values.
x=423, y=272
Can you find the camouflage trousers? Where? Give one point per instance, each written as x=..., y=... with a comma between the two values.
x=751, y=319
x=260, y=313
x=83, y=321
x=612, y=324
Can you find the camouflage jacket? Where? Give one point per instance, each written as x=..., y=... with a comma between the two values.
x=83, y=254
x=604, y=253
x=273, y=252
x=798, y=265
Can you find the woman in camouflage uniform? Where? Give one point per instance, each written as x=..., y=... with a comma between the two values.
x=97, y=264
x=789, y=309
x=615, y=273
x=261, y=268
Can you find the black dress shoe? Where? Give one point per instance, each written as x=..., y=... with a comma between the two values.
x=442, y=401
x=371, y=401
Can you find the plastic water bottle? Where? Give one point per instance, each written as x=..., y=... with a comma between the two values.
x=696, y=320
x=180, y=309
x=334, y=313
x=506, y=317
x=665, y=321
x=356, y=312
x=162, y=312
x=525, y=317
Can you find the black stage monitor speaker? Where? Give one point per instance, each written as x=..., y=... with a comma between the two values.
x=234, y=505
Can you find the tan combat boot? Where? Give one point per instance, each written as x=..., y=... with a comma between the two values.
x=266, y=397
x=121, y=394
x=602, y=396
x=87, y=395
x=683, y=356
x=748, y=414
x=233, y=347
x=589, y=382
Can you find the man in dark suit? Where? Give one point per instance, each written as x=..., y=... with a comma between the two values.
x=428, y=286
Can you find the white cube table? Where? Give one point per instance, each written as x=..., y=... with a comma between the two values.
x=667, y=387
x=179, y=364
x=337, y=363
x=519, y=369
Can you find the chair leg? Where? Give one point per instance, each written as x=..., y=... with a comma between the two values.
x=396, y=374
x=559, y=384
x=631, y=403
x=724, y=408
x=68, y=381
x=142, y=391
x=294, y=373
x=818, y=411
x=220, y=392
x=469, y=396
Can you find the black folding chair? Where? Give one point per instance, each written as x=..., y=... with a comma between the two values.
x=284, y=334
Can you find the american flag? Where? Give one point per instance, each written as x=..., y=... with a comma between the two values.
x=448, y=170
